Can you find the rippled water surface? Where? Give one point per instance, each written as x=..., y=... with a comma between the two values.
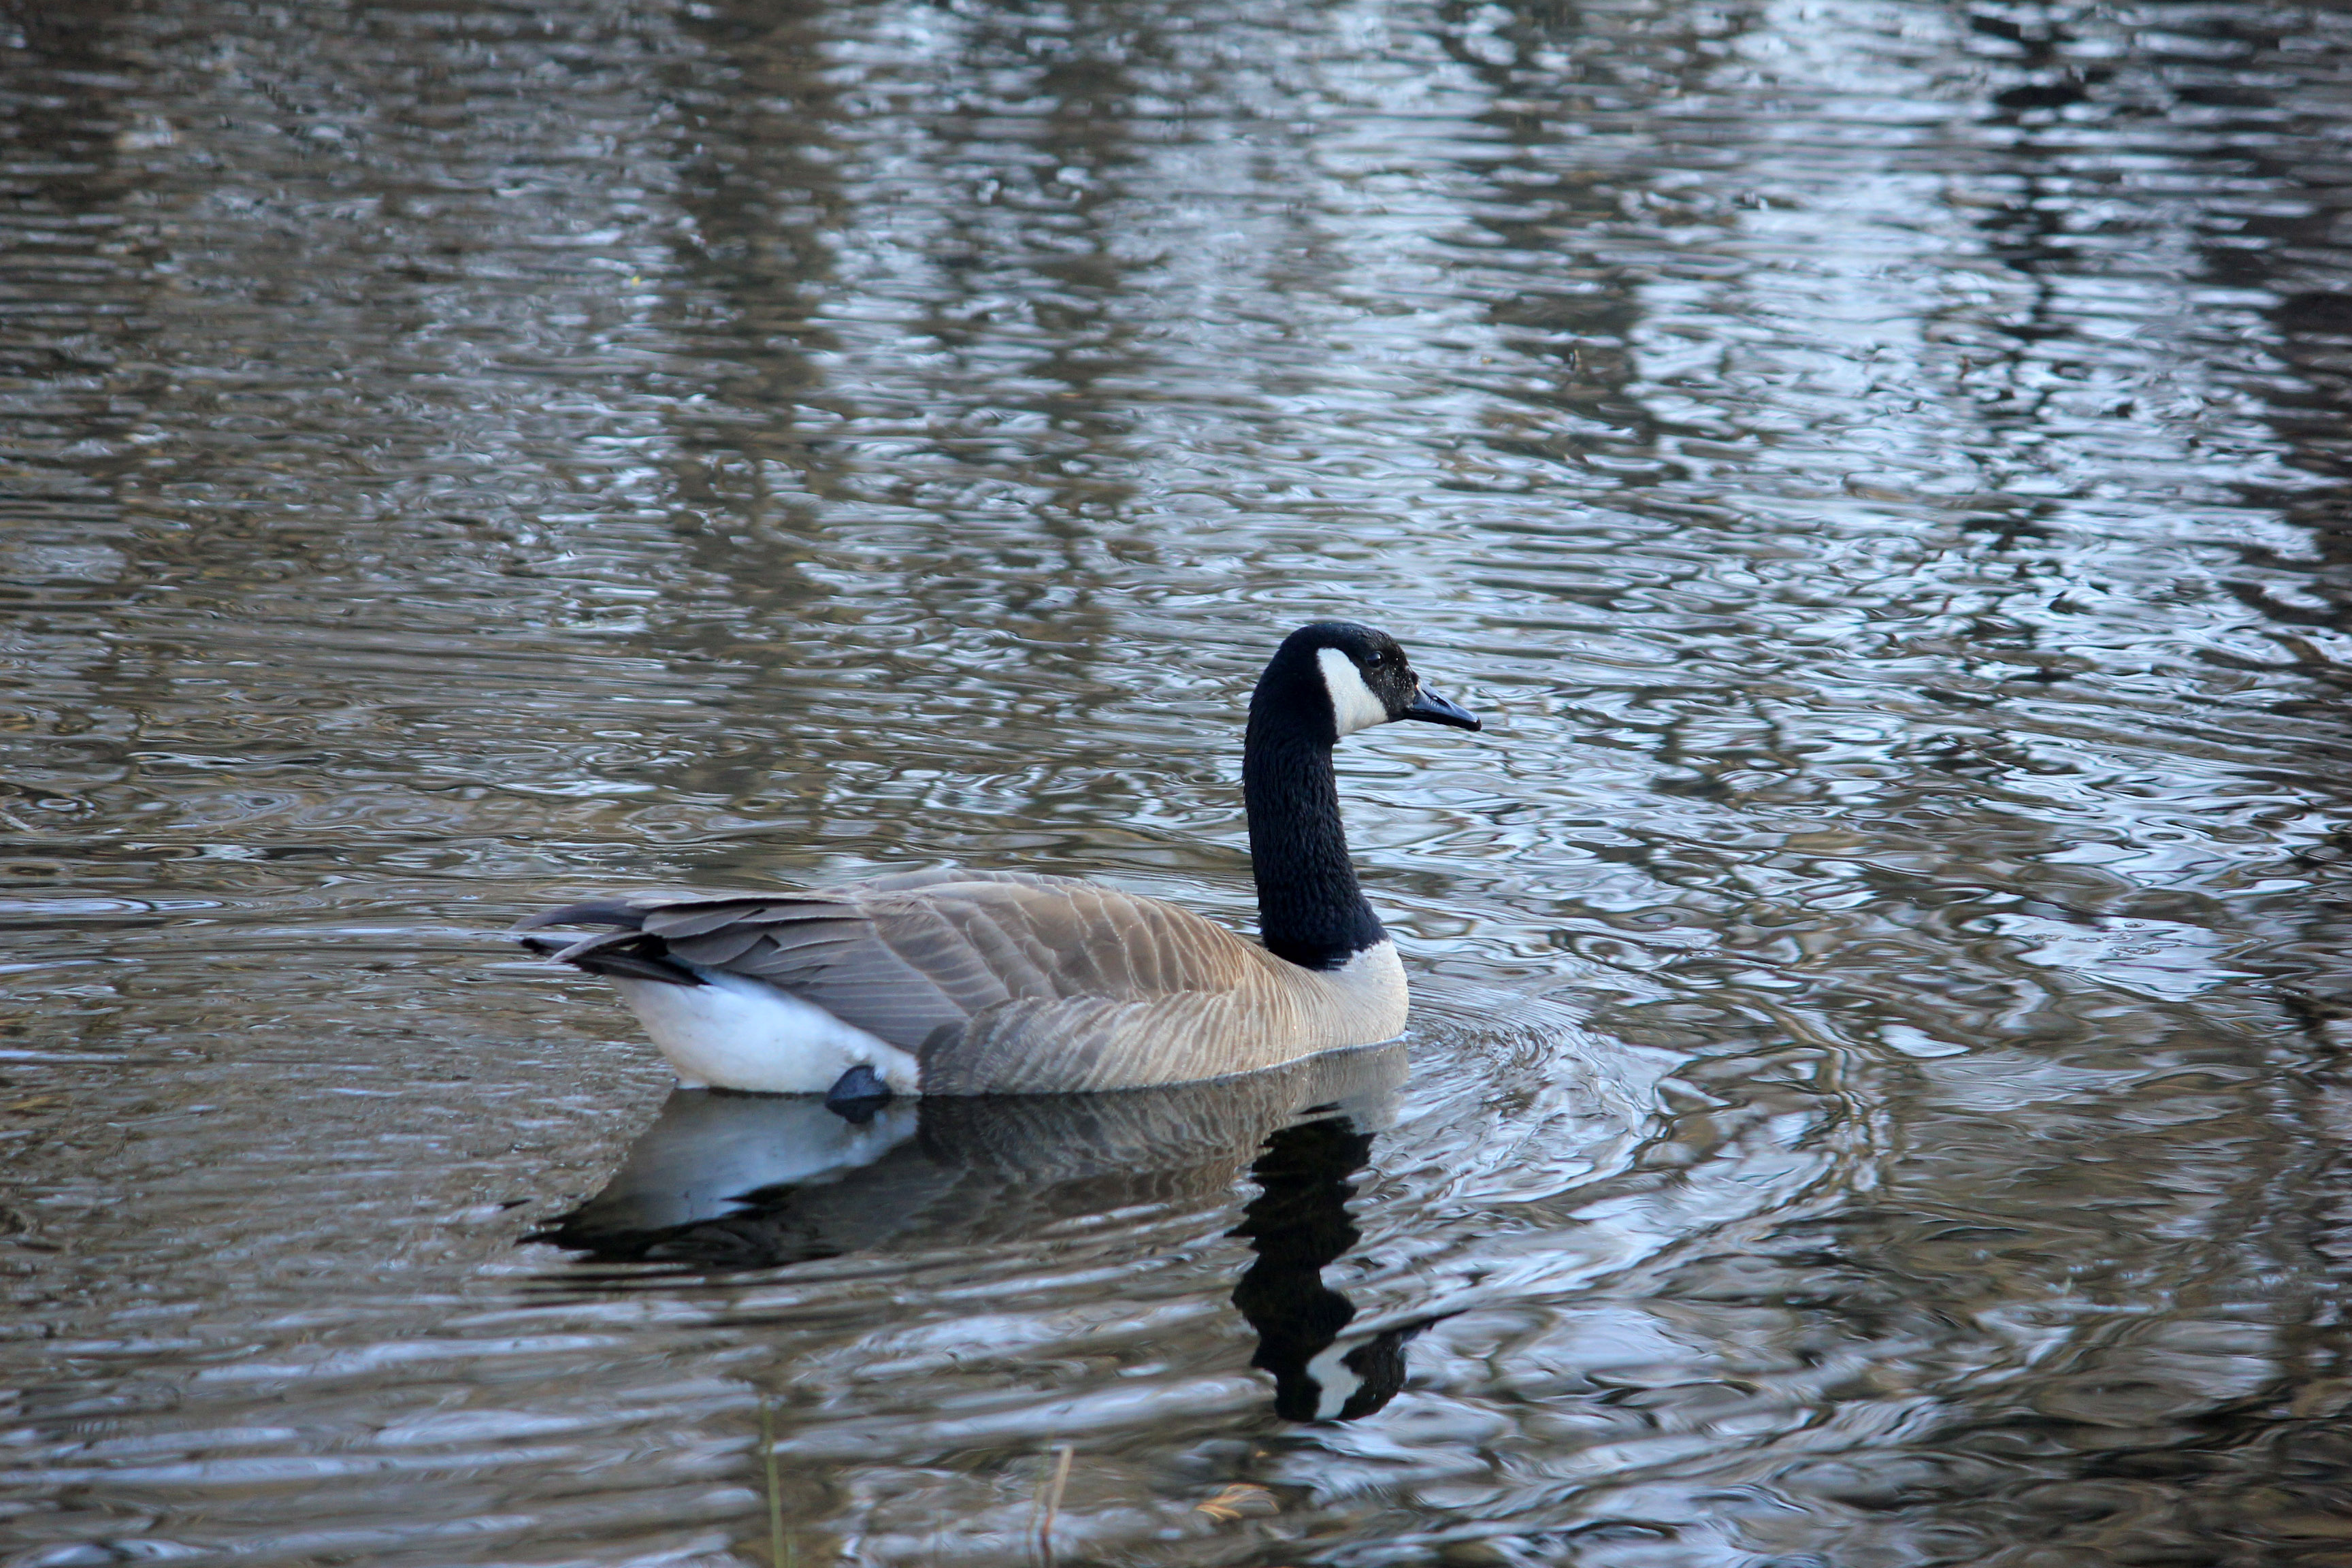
x=1873, y=1098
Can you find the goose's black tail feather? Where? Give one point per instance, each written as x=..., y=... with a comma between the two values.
x=629, y=953
x=619, y=912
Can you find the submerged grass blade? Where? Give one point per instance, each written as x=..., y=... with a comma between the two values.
x=780, y=1549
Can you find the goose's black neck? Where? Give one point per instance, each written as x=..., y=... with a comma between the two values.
x=1310, y=907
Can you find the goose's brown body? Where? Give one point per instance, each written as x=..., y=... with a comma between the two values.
x=1001, y=983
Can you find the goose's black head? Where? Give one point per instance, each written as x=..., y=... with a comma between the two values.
x=1335, y=678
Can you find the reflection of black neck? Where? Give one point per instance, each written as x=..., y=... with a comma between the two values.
x=1299, y=1223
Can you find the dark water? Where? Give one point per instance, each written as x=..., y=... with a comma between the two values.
x=1881, y=467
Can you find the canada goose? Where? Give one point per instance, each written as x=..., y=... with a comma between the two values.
x=951, y=981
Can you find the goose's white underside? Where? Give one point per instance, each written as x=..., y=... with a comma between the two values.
x=734, y=1032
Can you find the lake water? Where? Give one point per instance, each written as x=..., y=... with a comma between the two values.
x=1875, y=1095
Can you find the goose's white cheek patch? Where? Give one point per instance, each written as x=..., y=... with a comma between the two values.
x=1352, y=702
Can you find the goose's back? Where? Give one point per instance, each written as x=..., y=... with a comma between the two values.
x=1002, y=982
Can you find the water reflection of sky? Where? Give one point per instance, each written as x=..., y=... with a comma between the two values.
x=1880, y=463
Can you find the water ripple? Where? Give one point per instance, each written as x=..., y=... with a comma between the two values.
x=1878, y=466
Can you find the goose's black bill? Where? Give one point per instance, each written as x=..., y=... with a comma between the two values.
x=1436, y=709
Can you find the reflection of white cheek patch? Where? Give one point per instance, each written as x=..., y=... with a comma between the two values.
x=1352, y=702
x=1335, y=1381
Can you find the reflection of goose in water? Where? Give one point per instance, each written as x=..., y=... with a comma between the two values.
x=1296, y=1223
x=728, y=1181
x=737, y=1181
